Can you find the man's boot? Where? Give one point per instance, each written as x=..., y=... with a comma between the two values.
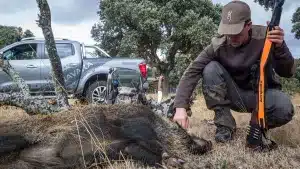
x=225, y=124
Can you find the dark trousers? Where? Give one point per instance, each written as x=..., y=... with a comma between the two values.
x=222, y=94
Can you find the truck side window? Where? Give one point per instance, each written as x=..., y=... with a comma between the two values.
x=92, y=52
x=63, y=50
x=128, y=77
x=21, y=52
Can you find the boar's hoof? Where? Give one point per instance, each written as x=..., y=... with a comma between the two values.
x=200, y=145
x=174, y=162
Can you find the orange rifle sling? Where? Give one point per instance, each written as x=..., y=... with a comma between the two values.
x=261, y=88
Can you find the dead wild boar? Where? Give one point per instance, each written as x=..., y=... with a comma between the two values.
x=96, y=134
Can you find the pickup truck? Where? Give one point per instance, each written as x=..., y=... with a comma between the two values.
x=85, y=68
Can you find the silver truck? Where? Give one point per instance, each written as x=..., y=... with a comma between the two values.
x=85, y=68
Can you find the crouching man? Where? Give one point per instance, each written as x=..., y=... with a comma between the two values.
x=229, y=68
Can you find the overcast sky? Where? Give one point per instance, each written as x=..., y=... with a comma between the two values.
x=74, y=18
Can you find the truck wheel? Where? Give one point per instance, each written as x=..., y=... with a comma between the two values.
x=96, y=92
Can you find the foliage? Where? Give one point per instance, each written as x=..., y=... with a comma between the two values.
x=156, y=29
x=296, y=23
x=181, y=63
x=27, y=34
x=11, y=34
x=267, y=4
x=290, y=85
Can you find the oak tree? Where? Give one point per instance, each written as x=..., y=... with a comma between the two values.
x=156, y=30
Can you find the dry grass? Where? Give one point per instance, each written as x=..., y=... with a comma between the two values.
x=234, y=154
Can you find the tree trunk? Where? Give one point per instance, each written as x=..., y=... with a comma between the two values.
x=160, y=89
x=22, y=99
x=44, y=22
x=166, y=84
x=31, y=105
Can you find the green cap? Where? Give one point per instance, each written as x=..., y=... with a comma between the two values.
x=234, y=15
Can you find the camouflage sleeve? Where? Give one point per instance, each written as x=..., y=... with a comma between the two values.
x=191, y=77
x=283, y=61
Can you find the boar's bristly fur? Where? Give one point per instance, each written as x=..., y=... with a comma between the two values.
x=96, y=134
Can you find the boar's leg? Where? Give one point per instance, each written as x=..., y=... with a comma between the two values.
x=11, y=142
x=42, y=156
x=140, y=153
x=146, y=146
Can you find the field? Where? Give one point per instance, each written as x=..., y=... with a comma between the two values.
x=233, y=155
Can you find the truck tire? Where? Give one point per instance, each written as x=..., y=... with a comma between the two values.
x=96, y=92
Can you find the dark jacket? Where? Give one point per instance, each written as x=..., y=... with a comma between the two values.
x=238, y=62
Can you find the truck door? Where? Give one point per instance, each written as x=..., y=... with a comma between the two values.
x=25, y=58
x=71, y=65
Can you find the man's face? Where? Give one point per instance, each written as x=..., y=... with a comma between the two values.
x=241, y=38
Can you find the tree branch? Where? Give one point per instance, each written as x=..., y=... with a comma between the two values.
x=6, y=67
x=31, y=105
x=171, y=54
x=153, y=50
x=22, y=99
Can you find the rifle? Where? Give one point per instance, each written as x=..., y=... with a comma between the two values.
x=259, y=128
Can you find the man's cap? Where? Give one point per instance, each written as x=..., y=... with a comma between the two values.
x=234, y=14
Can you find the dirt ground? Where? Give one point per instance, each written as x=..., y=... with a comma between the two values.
x=233, y=155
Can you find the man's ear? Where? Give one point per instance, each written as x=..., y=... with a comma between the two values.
x=249, y=25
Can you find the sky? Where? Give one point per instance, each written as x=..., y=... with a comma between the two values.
x=74, y=19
